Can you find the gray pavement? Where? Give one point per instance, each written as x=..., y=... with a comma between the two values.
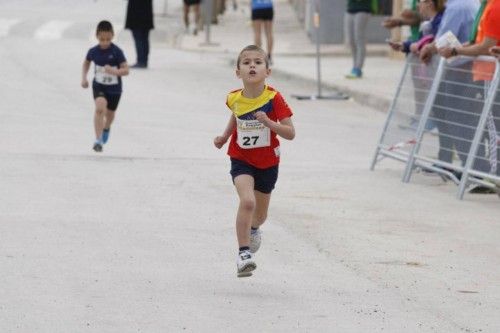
x=141, y=237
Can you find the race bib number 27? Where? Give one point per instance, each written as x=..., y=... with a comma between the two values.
x=252, y=134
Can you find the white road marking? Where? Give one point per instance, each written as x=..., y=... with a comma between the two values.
x=52, y=30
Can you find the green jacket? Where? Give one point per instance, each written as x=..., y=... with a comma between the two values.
x=415, y=33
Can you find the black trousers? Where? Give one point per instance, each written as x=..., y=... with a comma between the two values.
x=141, y=40
x=457, y=109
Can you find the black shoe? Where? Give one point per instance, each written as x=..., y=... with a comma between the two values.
x=97, y=147
x=139, y=66
x=480, y=189
x=456, y=173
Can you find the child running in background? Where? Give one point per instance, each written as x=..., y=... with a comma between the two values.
x=258, y=115
x=110, y=66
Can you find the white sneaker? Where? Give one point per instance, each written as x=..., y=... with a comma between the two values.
x=245, y=264
x=255, y=237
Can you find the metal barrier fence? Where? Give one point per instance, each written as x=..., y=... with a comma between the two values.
x=405, y=112
x=443, y=110
x=486, y=142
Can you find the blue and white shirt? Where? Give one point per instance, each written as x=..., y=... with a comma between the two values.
x=262, y=4
x=459, y=18
x=112, y=56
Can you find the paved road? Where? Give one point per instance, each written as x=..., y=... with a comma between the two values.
x=141, y=237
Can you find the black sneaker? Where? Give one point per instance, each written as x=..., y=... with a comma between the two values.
x=139, y=66
x=456, y=173
x=97, y=147
x=480, y=189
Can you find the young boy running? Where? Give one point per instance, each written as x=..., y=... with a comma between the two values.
x=110, y=66
x=258, y=114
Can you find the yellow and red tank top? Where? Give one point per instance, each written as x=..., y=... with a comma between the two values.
x=252, y=142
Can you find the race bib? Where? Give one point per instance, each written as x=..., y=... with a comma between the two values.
x=104, y=78
x=252, y=134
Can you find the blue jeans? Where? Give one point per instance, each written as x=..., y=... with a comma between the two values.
x=141, y=40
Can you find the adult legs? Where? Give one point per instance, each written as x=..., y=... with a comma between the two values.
x=186, y=15
x=138, y=42
x=141, y=40
x=349, y=35
x=440, y=113
x=197, y=16
x=465, y=113
x=360, y=23
x=268, y=30
x=257, y=32
x=146, y=46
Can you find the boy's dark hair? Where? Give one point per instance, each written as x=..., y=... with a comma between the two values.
x=252, y=48
x=104, y=26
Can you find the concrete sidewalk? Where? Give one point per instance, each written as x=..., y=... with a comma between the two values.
x=295, y=55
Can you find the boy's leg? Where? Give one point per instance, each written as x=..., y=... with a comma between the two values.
x=258, y=218
x=112, y=105
x=261, y=207
x=265, y=180
x=110, y=116
x=100, y=111
x=244, y=186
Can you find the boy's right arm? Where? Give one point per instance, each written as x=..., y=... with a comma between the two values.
x=221, y=140
x=85, y=70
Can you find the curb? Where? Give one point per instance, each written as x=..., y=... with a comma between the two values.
x=376, y=102
x=373, y=101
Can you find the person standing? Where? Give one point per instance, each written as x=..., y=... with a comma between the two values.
x=197, y=16
x=484, y=36
x=356, y=19
x=262, y=18
x=140, y=21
